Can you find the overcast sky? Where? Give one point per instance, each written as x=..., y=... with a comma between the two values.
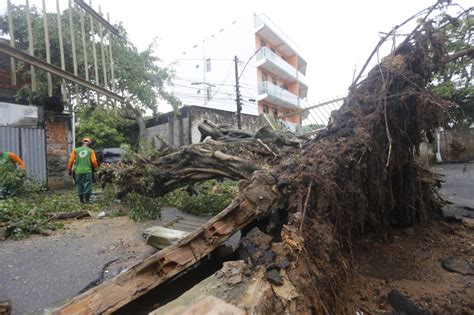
x=335, y=37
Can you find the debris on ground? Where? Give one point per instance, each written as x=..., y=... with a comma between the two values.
x=459, y=265
x=402, y=304
x=5, y=308
x=233, y=272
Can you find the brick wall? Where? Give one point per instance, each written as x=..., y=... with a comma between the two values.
x=56, y=136
x=57, y=130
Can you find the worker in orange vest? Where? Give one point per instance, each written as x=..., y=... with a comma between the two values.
x=10, y=157
x=84, y=161
x=11, y=161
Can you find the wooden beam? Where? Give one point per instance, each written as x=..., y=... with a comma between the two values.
x=154, y=270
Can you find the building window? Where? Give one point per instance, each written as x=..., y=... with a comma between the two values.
x=262, y=43
x=273, y=49
x=275, y=112
x=208, y=93
x=274, y=80
x=285, y=86
x=265, y=109
x=208, y=64
x=264, y=77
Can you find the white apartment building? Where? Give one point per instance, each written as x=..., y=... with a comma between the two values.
x=272, y=82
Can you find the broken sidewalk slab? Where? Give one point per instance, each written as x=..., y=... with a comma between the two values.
x=172, y=231
x=457, y=212
x=209, y=305
x=161, y=237
x=458, y=265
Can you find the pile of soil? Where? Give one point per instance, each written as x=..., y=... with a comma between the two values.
x=411, y=263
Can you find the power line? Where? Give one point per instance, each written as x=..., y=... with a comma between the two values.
x=212, y=82
x=200, y=59
x=226, y=76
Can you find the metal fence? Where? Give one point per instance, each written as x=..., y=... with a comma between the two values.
x=30, y=145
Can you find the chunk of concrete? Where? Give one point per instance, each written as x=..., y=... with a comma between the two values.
x=161, y=237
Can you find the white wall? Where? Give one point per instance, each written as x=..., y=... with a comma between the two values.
x=235, y=40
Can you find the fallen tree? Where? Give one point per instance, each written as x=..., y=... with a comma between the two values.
x=358, y=176
x=233, y=154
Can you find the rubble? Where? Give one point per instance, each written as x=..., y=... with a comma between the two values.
x=233, y=272
x=459, y=265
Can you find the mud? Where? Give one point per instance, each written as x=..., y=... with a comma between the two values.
x=412, y=264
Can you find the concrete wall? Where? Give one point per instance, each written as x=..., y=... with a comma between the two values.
x=183, y=129
x=464, y=137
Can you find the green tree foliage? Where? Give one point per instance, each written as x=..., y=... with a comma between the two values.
x=456, y=82
x=105, y=127
x=11, y=179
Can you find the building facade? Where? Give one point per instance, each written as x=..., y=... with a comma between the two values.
x=271, y=70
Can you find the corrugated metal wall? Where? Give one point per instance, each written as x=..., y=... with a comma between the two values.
x=30, y=145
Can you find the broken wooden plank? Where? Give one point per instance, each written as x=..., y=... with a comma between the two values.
x=256, y=200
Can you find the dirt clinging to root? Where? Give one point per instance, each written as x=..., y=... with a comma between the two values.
x=360, y=175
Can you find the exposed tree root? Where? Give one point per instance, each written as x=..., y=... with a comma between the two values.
x=356, y=177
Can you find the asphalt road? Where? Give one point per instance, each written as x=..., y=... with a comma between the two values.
x=40, y=272
x=459, y=186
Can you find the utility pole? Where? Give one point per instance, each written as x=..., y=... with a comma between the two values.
x=237, y=91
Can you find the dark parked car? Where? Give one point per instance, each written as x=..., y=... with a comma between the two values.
x=109, y=155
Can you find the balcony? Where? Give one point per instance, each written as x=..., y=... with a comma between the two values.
x=273, y=63
x=274, y=94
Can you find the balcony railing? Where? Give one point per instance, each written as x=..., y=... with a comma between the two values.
x=285, y=97
x=266, y=53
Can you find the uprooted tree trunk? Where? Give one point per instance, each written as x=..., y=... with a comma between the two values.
x=356, y=177
x=233, y=154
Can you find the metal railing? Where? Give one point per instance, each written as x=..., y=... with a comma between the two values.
x=266, y=53
x=271, y=89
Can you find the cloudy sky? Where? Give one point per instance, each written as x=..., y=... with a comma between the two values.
x=335, y=37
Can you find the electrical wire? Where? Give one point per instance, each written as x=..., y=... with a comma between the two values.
x=214, y=82
x=197, y=59
x=226, y=76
